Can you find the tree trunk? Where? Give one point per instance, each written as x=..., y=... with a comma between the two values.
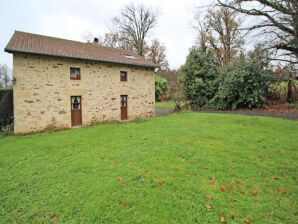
x=290, y=88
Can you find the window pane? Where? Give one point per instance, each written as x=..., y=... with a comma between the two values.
x=74, y=73
x=76, y=102
x=123, y=76
x=123, y=101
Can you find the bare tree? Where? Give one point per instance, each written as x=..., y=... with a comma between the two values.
x=106, y=40
x=276, y=21
x=5, y=77
x=220, y=30
x=156, y=52
x=111, y=40
x=177, y=94
x=133, y=26
x=277, y=24
x=171, y=75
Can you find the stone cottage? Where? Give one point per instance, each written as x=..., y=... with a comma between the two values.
x=62, y=83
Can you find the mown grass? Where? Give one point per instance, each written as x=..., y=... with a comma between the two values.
x=165, y=105
x=157, y=171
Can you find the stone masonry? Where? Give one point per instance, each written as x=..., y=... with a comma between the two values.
x=43, y=89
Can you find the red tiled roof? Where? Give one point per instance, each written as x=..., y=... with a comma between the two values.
x=44, y=45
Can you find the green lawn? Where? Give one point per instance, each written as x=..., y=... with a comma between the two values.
x=181, y=168
x=165, y=105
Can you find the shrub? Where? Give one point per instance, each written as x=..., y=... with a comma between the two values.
x=6, y=130
x=241, y=86
x=198, y=77
x=6, y=107
x=161, y=87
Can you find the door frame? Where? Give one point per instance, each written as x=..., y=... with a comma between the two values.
x=71, y=111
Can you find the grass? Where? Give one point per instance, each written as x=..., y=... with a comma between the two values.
x=165, y=105
x=157, y=171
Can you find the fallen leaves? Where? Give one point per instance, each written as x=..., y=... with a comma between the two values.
x=55, y=219
x=283, y=190
x=213, y=180
x=223, y=219
x=123, y=182
x=254, y=192
x=226, y=188
x=209, y=207
x=209, y=197
x=240, y=182
x=160, y=183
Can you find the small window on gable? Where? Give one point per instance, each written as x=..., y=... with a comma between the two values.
x=123, y=76
x=75, y=73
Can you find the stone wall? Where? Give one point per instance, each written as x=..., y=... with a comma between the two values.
x=43, y=89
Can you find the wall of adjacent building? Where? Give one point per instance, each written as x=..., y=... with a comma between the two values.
x=43, y=89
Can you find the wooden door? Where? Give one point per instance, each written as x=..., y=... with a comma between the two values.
x=76, y=111
x=123, y=106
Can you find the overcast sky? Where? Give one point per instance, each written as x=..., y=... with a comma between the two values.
x=73, y=19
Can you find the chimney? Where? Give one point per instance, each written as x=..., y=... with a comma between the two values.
x=95, y=40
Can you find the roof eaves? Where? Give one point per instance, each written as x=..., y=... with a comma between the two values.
x=9, y=50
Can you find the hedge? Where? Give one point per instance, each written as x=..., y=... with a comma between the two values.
x=6, y=107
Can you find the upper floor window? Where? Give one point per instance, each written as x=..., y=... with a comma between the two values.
x=75, y=73
x=123, y=76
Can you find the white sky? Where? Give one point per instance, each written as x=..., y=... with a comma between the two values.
x=73, y=19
